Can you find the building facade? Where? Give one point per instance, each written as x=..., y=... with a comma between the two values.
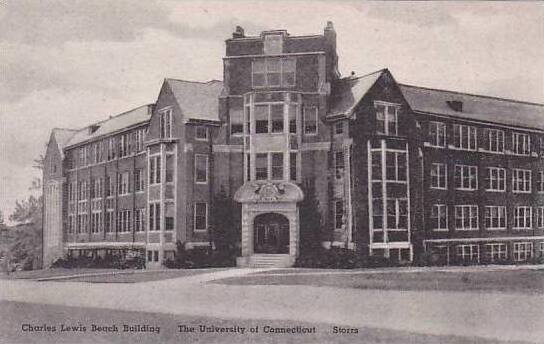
x=400, y=172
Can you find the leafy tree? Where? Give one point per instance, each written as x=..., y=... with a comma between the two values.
x=310, y=220
x=225, y=222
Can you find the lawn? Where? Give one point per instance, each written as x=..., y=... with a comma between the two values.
x=13, y=315
x=107, y=275
x=518, y=281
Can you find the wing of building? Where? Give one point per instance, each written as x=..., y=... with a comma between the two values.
x=399, y=172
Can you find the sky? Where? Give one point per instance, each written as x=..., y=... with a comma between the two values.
x=68, y=63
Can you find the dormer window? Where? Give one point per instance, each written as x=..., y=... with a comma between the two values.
x=201, y=133
x=455, y=105
x=273, y=44
x=386, y=118
x=165, y=123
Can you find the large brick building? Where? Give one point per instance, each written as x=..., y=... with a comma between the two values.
x=399, y=171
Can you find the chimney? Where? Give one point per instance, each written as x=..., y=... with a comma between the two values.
x=330, y=45
x=239, y=32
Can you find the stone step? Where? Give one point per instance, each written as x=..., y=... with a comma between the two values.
x=270, y=260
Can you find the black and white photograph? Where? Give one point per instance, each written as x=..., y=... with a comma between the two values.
x=271, y=171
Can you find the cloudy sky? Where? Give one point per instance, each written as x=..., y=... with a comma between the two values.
x=67, y=63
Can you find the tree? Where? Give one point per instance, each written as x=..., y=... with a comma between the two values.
x=310, y=220
x=225, y=222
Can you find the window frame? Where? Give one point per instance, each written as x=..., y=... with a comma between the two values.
x=496, y=142
x=440, y=131
x=206, y=133
x=518, y=217
x=195, y=229
x=339, y=215
x=470, y=214
x=471, y=138
x=386, y=117
x=305, y=114
x=441, y=212
x=165, y=122
x=444, y=177
x=500, y=181
x=502, y=215
x=522, y=255
x=206, y=162
x=525, y=145
x=472, y=171
x=525, y=180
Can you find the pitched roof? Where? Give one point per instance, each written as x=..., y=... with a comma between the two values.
x=477, y=107
x=62, y=136
x=347, y=92
x=122, y=121
x=197, y=100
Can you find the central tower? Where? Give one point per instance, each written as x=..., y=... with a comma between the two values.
x=274, y=102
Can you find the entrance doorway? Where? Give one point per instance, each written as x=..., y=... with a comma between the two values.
x=271, y=234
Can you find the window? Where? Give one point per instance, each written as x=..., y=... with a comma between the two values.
x=261, y=166
x=165, y=123
x=339, y=164
x=83, y=189
x=464, y=137
x=273, y=44
x=236, y=122
x=293, y=108
x=123, y=186
x=439, y=176
x=96, y=188
x=123, y=221
x=154, y=217
x=437, y=134
x=201, y=133
x=495, y=179
x=494, y=139
x=522, y=217
x=96, y=222
x=540, y=182
x=277, y=166
x=108, y=224
x=310, y=120
x=468, y=253
x=338, y=214
x=521, y=180
x=339, y=128
x=139, y=140
x=169, y=168
x=82, y=157
x=111, y=149
x=201, y=216
x=97, y=152
x=466, y=217
x=154, y=170
x=395, y=166
x=124, y=145
x=293, y=166
x=169, y=216
x=466, y=177
x=269, y=118
x=201, y=169
x=439, y=217
x=397, y=213
x=495, y=217
x=276, y=118
x=273, y=72
x=386, y=118
x=138, y=180
x=523, y=251
x=540, y=217
x=495, y=252
x=139, y=220
x=521, y=144
x=110, y=186
x=82, y=223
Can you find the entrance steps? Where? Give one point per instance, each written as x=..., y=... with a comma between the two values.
x=266, y=261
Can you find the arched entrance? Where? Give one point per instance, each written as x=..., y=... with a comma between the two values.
x=271, y=233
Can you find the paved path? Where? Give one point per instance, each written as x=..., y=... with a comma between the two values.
x=491, y=315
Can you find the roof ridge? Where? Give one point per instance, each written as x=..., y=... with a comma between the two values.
x=194, y=81
x=114, y=116
x=474, y=95
x=364, y=75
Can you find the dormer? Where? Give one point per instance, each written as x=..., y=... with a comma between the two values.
x=455, y=105
x=273, y=41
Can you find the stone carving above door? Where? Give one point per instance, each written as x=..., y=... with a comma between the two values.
x=268, y=192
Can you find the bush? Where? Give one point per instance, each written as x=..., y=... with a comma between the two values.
x=131, y=261
x=202, y=257
x=333, y=258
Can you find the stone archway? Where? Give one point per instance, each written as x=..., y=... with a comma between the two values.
x=271, y=234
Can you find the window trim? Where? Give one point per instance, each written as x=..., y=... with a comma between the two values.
x=336, y=202
x=434, y=226
x=439, y=177
x=515, y=141
x=305, y=108
x=162, y=112
x=386, y=118
x=470, y=139
x=195, y=215
x=505, y=219
x=462, y=176
x=206, y=156
x=470, y=207
x=498, y=180
x=436, y=135
x=515, y=179
x=516, y=217
x=206, y=131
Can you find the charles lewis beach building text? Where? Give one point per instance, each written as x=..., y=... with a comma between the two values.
x=400, y=171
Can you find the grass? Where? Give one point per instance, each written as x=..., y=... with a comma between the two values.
x=110, y=275
x=517, y=281
x=14, y=314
